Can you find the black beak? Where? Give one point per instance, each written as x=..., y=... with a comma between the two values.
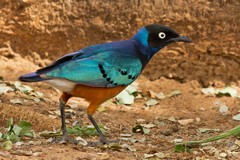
x=180, y=39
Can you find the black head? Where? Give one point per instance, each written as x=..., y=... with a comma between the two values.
x=159, y=36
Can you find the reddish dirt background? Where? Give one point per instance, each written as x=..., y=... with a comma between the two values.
x=32, y=34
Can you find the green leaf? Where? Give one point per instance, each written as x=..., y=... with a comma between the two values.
x=26, y=126
x=91, y=131
x=10, y=122
x=181, y=148
x=1, y=135
x=7, y=145
x=88, y=130
x=5, y=137
x=16, y=130
x=74, y=131
x=28, y=134
x=14, y=138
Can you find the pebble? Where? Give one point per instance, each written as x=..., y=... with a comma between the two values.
x=237, y=142
x=223, y=109
x=223, y=155
x=198, y=119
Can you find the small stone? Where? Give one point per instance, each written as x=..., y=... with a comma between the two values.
x=172, y=119
x=202, y=109
x=223, y=109
x=223, y=155
x=140, y=120
x=198, y=119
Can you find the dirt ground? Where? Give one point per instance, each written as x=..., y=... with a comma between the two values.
x=32, y=34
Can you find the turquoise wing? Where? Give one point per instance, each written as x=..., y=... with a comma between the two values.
x=105, y=69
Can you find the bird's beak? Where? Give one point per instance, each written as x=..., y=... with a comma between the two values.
x=180, y=39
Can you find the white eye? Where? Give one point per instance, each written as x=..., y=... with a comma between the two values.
x=161, y=35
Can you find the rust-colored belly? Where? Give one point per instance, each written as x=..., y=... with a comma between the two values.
x=95, y=95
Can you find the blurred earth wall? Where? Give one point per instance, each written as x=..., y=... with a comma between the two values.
x=44, y=30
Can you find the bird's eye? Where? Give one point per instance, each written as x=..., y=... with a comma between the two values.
x=161, y=35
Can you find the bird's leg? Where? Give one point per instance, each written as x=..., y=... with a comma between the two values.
x=90, y=111
x=103, y=139
x=62, y=111
x=62, y=102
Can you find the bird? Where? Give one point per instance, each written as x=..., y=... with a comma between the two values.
x=101, y=71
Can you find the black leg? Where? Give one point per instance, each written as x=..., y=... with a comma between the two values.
x=103, y=139
x=62, y=111
x=64, y=138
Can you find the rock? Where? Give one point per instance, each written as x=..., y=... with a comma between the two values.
x=223, y=109
x=223, y=155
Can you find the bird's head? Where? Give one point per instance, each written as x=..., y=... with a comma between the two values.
x=154, y=37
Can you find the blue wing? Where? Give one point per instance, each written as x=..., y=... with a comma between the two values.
x=106, y=65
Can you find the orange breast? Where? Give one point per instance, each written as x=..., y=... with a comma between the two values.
x=95, y=95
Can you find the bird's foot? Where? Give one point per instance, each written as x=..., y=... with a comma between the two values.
x=65, y=140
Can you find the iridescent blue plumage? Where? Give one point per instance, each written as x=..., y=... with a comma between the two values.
x=106, y=65
x=109, y=64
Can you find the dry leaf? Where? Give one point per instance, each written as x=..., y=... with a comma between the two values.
x=151, y=102
x=16, y=101
x=125, y=98
x=185, y=122
x=237, y=117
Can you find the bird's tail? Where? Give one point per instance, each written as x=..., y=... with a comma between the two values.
x=31, y=77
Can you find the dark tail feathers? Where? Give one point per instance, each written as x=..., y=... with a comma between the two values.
x=31, y=77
